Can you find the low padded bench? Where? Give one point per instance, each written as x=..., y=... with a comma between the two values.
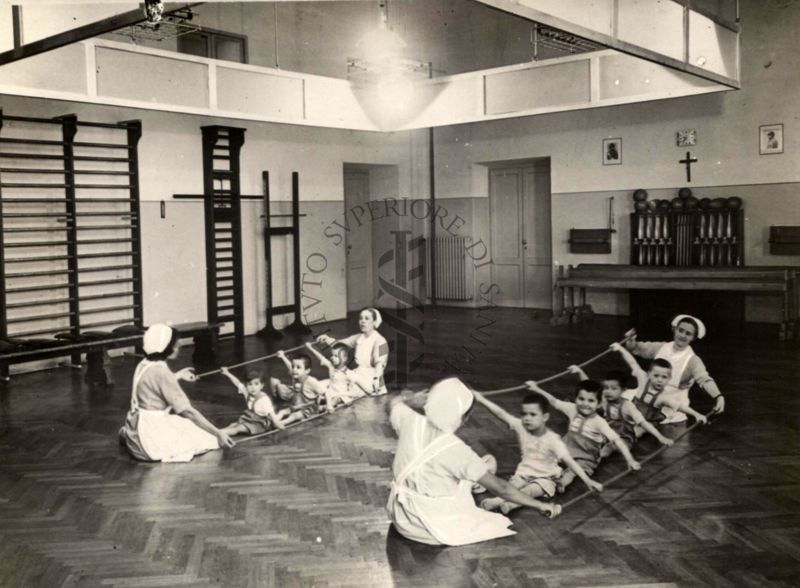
x=573, y=283
x=95, y=344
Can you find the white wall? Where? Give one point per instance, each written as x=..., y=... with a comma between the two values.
x=729, y=162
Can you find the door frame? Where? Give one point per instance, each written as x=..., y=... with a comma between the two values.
x=537, y=164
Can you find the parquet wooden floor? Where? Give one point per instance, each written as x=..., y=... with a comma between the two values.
x=306, y=507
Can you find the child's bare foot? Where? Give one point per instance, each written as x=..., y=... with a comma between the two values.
x=507, y=507
x=491, y=503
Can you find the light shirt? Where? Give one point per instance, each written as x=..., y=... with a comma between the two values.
x=541, y=454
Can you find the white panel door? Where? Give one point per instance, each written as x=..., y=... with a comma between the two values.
x=520, y=233
x=508, y=267
x=537, y=241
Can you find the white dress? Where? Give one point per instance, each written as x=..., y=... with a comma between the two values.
x=431, y=500
x=156, y=434
x=367, y=347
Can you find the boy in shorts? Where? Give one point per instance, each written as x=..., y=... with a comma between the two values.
x=542, y=451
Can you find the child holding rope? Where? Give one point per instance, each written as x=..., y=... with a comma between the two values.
x=306, y=392
x=260, y=415
x=649, y=396
x=587, y=432
x=370, y=349
x=341, y=387
x=622, y=415
x=542, y=450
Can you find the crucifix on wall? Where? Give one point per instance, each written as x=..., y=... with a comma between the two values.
x=688, y=162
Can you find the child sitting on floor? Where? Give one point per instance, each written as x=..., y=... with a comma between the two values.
x=542, y=450
x=587, y=432
x=622, y=415
x=648, y=396
x=260, y=415
x=341, y=387
x=306, y=392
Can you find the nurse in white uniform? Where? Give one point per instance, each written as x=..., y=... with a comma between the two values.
x=431, y=500
x=162, y=425
x=687, y=368
x=371, y=351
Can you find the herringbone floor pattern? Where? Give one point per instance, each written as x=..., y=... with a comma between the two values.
x=305, y=507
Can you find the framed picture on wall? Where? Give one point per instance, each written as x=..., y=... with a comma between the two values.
x=770, y=139
x=612, y=151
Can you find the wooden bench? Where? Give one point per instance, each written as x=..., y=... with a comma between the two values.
x=571, y=285
x=96, y=344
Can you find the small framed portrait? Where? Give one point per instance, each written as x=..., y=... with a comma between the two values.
x=770, y=139
x=612, y=151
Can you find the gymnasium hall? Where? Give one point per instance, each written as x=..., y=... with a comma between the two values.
x=288, y=289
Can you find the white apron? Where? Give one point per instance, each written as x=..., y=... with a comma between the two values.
x=365, y=373
x=679, y=360
x=164, y=436
x=444, y=520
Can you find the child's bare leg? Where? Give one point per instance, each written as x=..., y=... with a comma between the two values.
x=566, y=479
x=609, y=449
x=534, y=490
x=292, y=417
x=235, y=429
x=491, y=466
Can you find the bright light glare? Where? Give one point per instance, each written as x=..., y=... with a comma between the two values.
x=394, y=93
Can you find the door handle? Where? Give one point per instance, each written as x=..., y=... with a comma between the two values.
x=524, y=242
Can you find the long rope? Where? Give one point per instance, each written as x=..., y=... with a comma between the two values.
x=628, y=335
x=273, y=431
x=631, y=333
x=621, y=475
x=249, y=361
x=650, y=475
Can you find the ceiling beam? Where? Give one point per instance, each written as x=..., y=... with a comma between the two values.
x=82, y=33
x=552, y=17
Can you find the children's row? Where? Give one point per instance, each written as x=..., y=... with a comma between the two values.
x=304, y=395
x=604, y=418
x=162, y=424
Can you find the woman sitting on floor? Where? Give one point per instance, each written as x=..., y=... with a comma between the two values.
x=687, y=368
x=371, y=351
x=431, y=499
x=162, y=425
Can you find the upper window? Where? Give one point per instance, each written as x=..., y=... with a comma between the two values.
x=215, y=45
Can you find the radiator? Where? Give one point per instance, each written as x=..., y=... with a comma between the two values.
x=453, y=267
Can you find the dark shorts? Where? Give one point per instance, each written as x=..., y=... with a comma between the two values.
x=255, y=423
x=307, y=411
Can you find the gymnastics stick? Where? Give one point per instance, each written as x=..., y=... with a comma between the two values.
x=273, y=431
x=628, y=335
x=311, y=418
x=236, y=365
x=624, y=473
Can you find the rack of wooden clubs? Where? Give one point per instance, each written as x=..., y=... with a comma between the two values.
x=687, y=231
